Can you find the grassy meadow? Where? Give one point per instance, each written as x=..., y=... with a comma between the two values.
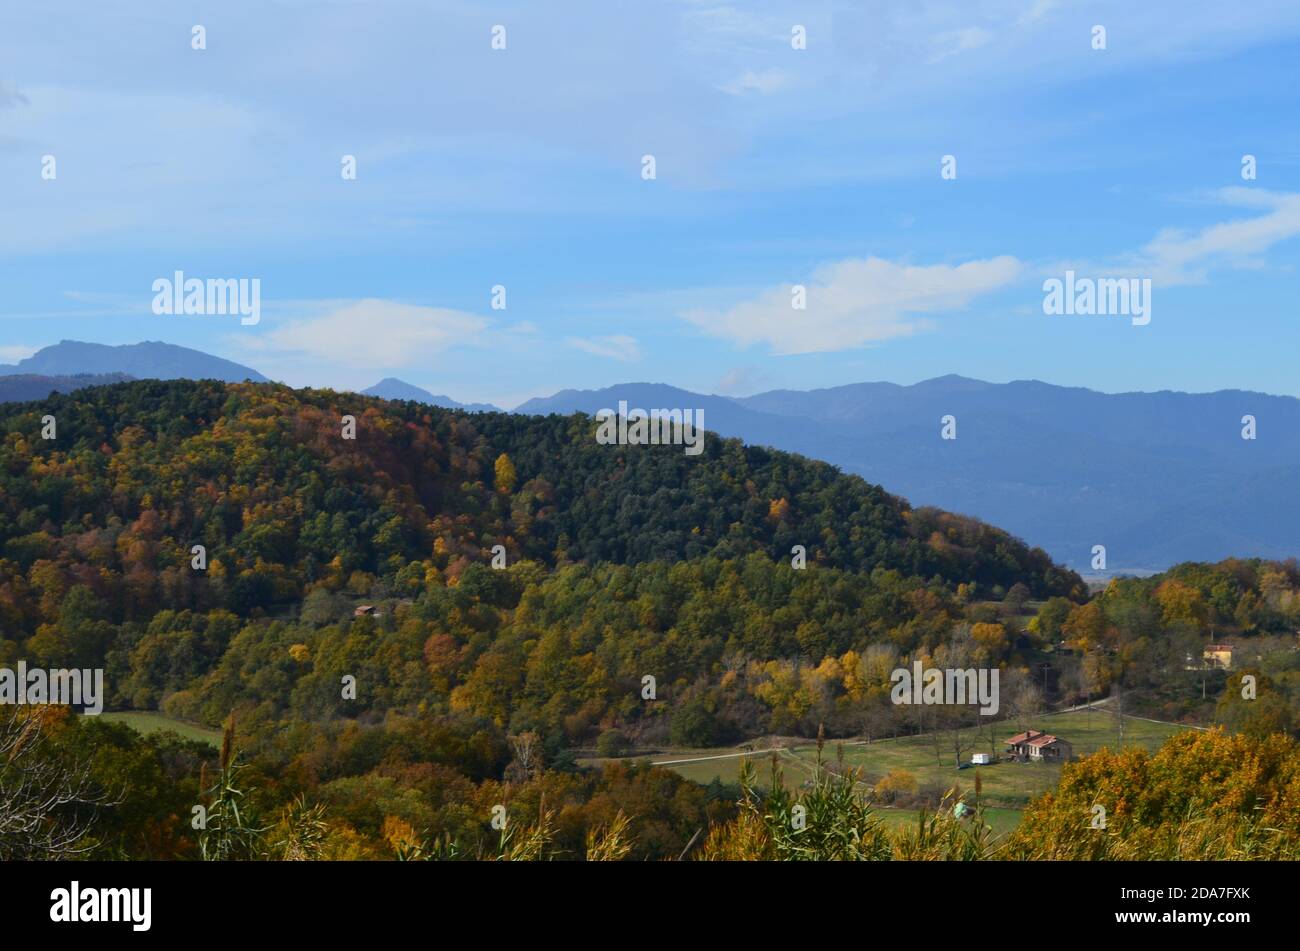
x=1006, y=787
x=147, y=722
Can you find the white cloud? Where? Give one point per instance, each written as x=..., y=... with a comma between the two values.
x=855, y=302
x=373, y=333
x=243, y=147
x=1184, y=257
x=616, y=347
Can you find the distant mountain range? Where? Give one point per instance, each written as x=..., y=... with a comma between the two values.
x=391, y=388
x=150, y=360
x=1157, y=478
x=71, y=364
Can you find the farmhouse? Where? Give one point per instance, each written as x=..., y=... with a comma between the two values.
x=1034, y=744
x=366, y=610
x=1218, y=655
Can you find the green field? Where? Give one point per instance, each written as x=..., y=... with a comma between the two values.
x=796, y=772
x=1004, y=784
x=1005, y=787
x=1001, y=821
x=146, y=722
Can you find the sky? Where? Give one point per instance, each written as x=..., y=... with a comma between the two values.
x=775, y=167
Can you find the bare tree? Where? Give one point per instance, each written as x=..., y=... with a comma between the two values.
x=48, y=801
x=958, y=722
x=875, y=716
x=1024, y=703
x=526, y=763
x=959, y=725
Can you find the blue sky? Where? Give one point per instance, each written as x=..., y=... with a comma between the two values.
x=775, y=166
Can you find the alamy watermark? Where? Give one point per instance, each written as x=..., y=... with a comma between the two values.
x=35, y=685
x=1100, y=297
x=933, y=686
x=214, y=297
x=658, y=427
x=77, y=904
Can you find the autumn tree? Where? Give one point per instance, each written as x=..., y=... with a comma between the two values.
x=505, y=474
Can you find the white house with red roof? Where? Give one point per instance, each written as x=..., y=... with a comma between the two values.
x=1036, y=745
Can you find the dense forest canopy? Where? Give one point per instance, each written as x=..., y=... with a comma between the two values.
x=260, y=475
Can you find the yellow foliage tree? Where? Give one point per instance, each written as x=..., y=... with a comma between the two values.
x=992, y=637
x=505, y=474
x=1180, y=602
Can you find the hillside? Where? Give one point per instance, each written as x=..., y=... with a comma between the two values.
x=1158, y=478
x=642, y=552
x=261, y=475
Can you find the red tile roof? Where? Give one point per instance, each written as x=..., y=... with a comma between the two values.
x=1039, y=739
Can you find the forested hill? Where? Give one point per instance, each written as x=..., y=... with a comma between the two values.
x=261, y=475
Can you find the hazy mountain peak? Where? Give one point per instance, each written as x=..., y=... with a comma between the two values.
x=150, y=359
x=391, y=388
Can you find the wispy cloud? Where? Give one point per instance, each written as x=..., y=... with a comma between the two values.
x=372, y=334
x=1036, y=11
x=855, y=302
x=616, y=347
x=952, y=42
x=1185, y=257
x=1182, y=256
